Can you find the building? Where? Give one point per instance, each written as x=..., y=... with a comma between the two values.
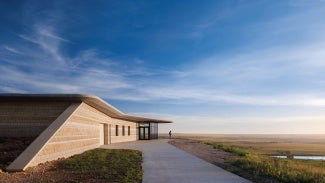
x=64, y=125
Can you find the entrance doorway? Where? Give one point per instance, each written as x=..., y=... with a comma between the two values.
x=104, y=134
x=101, y=134
x=144, y=133
x=148, y=130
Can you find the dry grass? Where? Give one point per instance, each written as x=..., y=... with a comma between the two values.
x=268, y=144
x=252, y=154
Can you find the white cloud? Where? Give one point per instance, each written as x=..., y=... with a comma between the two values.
x=27, y=38
x=8, y=89
x=287, y=75
x=102, y=77
x=218, y=78
x=12, y=50
x=195, y=95
x=48, y=42
x=48, y=32
x=243, y=125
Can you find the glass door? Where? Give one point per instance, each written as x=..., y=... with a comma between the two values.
x=143, y=133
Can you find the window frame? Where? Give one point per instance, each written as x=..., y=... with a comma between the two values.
x=116, y=130
x=123, y=130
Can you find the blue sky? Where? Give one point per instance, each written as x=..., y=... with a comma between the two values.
x=211, y=66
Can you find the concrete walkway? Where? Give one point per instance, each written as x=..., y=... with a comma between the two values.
x=165, y=163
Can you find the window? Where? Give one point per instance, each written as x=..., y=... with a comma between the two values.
x=123, y=130
x=153, y=130
x=129, y=131
x=116, y=130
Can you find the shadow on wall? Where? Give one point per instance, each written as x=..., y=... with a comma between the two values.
x=11, y=148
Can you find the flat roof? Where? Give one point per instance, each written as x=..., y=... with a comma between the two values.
x=91, y=100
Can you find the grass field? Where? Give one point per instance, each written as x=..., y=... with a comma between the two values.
x=268, y=144
x=252, y=154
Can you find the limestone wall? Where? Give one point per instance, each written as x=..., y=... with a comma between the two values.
x=81, y=132
x=126, y=137
x=28, y=119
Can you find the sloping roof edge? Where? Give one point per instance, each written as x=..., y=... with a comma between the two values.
x=91, y=100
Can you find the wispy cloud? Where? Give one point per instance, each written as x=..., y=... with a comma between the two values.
x=234, y=79
x=290, y=124
x=22, y=36
x=87, y=72
x=12, y=50
x=265, y=77
x=48, y=32
x=194, y=95
x=8, y=89
x=47, y=41
x=46, y=69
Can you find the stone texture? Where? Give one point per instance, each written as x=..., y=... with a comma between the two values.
x=28, y=118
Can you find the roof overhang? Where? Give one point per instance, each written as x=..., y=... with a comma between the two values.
x=91, y=100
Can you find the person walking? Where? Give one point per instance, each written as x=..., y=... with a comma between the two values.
x=170, y=134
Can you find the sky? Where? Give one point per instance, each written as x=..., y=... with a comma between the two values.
x=227, y=66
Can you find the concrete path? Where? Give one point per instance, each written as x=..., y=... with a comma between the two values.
x=165, y=163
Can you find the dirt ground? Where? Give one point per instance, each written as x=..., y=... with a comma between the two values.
x=203, y=151
x=216, y=157
x=35, y=174
x=10, y=148
x=46, y=172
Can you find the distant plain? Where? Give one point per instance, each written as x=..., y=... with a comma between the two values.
x=250, y=155
x=274, y=144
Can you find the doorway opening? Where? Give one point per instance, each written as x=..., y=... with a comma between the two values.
x=148, y=130
x=104, y=134
x=144, y=133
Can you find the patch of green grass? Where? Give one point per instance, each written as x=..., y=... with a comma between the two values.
x=109, y=164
